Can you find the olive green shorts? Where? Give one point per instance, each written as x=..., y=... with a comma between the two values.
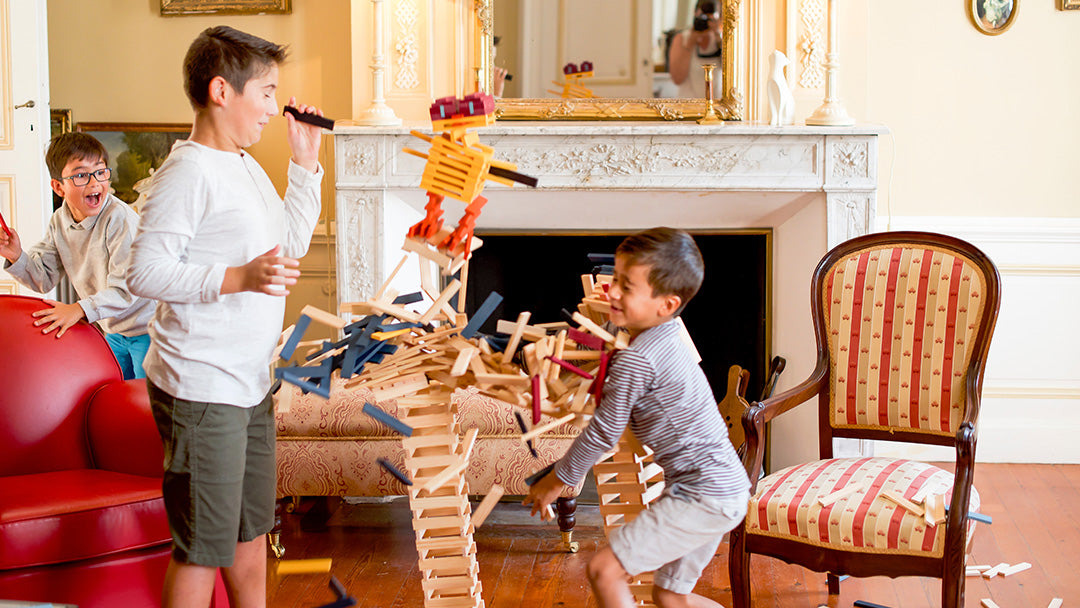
x=220, y=472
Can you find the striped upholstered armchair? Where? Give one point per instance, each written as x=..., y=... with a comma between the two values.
x=903, y=322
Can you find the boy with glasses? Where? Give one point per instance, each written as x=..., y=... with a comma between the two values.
x=88, y=239
x=217, y=247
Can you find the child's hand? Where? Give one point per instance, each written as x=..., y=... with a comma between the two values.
x=304, y=139
x=60, y=316
x=270, y=273
x=542, y=494
x=10, y=246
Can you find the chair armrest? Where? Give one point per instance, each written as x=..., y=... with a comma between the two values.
x=121, y=431
x=956, y=530
x=761, y=412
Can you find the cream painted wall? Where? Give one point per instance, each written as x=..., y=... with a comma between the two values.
x=983, y=125
x=141, y=56
x=120, y=61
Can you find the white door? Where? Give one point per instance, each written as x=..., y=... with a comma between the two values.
x=25, y=201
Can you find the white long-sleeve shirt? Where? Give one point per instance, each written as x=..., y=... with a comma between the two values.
x=94, y=255
x=207, y=210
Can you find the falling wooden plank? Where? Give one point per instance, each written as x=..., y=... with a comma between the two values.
x=484, y=508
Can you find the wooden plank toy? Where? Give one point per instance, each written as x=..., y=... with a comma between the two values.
x=387, y=419
x=481, y=315
x=484, y=508
x=389, y=466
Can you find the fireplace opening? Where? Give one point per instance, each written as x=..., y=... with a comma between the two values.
x=728, y=318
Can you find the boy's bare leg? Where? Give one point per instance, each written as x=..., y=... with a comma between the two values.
x=670, y=599
x=187, y=585
x=609, y=580
x=245, y=580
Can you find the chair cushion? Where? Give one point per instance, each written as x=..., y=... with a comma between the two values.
x=786, y=506
x=62, y=516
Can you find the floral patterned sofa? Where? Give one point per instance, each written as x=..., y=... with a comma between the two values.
x=330, y=448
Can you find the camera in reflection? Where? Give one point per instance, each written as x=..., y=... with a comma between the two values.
x=701, y=22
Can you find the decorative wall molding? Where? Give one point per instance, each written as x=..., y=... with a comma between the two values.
x=406, y=45
x=7, y=103
x=812, y=46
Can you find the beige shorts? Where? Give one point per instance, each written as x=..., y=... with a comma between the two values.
x=677, y=536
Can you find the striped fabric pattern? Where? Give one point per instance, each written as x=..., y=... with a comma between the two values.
x=786, y=506
x=901, y=323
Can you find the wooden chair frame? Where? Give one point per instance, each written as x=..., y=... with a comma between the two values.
x=950, y=567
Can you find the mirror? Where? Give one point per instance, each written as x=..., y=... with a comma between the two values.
x=625, y=42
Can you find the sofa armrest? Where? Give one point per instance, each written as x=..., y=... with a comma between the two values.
x=121, y=431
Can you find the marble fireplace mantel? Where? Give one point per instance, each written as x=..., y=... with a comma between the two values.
x=813, y=187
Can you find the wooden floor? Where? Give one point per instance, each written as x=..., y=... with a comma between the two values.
x=1036, y=512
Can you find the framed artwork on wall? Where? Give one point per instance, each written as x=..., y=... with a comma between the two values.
x=1069, y=5
x=135, y=150
x=59, y=121
x=225, y=7
x=993, y=17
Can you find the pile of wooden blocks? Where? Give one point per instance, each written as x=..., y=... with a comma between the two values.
x=420, y=358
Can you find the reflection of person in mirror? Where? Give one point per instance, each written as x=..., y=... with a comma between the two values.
x=694, y=47
x=500, y=79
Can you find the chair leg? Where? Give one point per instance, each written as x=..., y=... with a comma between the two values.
x=952, y=585
x=566, y=507
x=834, y=583
x=739, y=568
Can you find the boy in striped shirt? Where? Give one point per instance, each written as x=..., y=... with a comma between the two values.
x=657, y=389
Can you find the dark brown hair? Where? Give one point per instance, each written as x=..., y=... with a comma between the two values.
x=67, y=146
x=674, y=261
x=234, y=55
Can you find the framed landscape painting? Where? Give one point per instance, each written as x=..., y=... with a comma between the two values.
x=135, y=149
x=225, y=7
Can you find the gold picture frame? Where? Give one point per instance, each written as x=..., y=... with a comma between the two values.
x=993, y=17
x=729, y=107
x=135, y=150
x=60, y=121
x=225, y=7
x=1069, y=5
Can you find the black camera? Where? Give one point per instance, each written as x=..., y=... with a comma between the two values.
x=701, y=22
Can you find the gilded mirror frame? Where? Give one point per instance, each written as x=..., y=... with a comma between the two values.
x=728, y=107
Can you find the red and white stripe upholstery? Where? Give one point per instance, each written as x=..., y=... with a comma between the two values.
x=786, y=505
x=901, y=322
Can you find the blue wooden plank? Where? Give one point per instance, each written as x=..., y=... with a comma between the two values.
x=481, y=315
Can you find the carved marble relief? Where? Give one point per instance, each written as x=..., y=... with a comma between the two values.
x=359, y=271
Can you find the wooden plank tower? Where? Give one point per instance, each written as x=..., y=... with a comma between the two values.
x=628, y=481
x=436, y=456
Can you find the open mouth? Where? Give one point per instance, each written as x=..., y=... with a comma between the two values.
x=93, y=200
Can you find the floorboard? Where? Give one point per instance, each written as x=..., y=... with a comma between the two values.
x=1035, y=508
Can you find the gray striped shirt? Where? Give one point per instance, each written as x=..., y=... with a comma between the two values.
x=657, y=388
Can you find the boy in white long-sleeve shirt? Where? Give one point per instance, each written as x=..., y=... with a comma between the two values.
x=88, y=240
x=215, y=247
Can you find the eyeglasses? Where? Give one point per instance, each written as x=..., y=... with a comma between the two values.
x=81, y=179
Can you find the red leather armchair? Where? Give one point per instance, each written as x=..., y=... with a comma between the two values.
x=82, y=520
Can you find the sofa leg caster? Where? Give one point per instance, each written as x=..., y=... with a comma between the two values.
x=571, y=546
x=566, y=508
x=276, y=546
